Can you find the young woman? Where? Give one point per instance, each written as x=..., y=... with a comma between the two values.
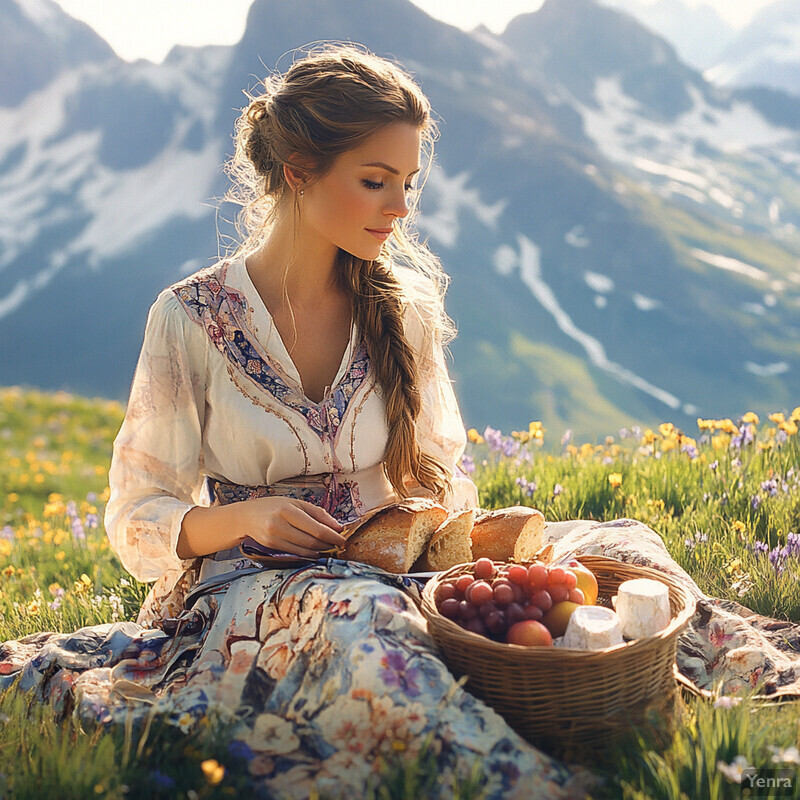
x=280, y=393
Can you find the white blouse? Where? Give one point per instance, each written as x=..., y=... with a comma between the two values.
x=216, y=395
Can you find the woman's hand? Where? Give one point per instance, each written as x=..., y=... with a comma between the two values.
x=292, y=526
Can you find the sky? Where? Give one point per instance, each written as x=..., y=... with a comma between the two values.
x=149, y=28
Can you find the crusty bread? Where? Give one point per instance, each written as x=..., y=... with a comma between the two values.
x=451, y=542
x=515, y=532
x=392, y=537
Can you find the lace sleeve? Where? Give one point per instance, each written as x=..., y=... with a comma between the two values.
x=156, y=475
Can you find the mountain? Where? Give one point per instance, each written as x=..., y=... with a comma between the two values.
x=697, y=32
x=766, y=52
x=39, y=42
x=622, y=235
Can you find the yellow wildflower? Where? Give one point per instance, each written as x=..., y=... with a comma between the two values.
x=5, y=548
x=727, y=425
x=766, y=445
x=615, y=479
x=750, y=418
x=475, y=437
x=795, y=415
x=12, y=497
x=705, y=424
x=649, y=437
x=9, y=571
x=666, y=429
x=213, y=771
x=84, y=585
x=789, y=427
x=398, y=745
x=719, y=442
x=777, y=418
x=60, y=555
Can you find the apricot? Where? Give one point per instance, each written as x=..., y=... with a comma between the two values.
x=557, y=618
x=529, y=633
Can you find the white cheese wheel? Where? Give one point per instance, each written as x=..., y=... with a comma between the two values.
x=643, y=607
x=592, y=628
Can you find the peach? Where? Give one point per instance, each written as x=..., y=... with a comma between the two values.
x=529, y=633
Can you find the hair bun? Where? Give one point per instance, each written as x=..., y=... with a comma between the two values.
x=257, y=111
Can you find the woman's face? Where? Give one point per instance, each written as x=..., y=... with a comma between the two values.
x=356, y=203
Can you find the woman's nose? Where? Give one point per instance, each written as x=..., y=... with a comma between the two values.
x=398, y=206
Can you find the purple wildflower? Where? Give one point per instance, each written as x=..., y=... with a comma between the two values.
x=736, y=463
x=607, y=460
x=509, y=446
x=467, y=466
x=636, y=431
x=557, y=490
x=759, y=548
x=240, y=750
x=624, y=433
x=755, y=502
x=529, y=487
x=713, y=465
x=77, y=529
x=55, y=605
x=692, y=541
x=91, y=497
x=92, y=521
x=690, y=450
x=161, y=779
x=7, y=532
x=494, y=439
x=777, y=558
x=770, y=487
x=781, y=436
x=793, y=544
x=567, y=437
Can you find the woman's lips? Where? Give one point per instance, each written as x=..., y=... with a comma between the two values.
x=380, y=233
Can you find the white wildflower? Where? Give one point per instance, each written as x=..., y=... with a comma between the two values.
x=791, y=755
x=734, y=771
x=727, y=701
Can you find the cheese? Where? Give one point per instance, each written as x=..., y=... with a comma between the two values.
x=592, y=628
x=643, y=607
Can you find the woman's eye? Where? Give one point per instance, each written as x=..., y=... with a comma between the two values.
x=372, y=184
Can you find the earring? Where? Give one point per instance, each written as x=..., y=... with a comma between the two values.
x=301, y=192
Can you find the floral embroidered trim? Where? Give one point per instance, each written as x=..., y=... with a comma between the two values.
x=223, y=312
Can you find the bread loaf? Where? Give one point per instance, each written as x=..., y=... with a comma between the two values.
x=515, y=532
x=392, y=537
x=450, y=544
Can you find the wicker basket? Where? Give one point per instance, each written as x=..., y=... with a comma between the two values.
x=571, y=703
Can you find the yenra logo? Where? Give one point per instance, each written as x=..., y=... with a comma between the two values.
x=756, y=781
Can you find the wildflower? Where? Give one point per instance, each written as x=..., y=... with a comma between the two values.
x=790, y=755
x=557, y=490
x=509, y=447
x=777, y=558
x=736, y=463
x=529, y=487
x=615, y=479
x=770, y=486
x=240, y=750
x=690, y=450
x=472, y=435
x=750, y=418
x=185, y=722
x=493, y=438
x=713, y=465
x=9, y=571
x=467, y=464
x=213, y=771
x=7, y=532
x=84, y=585
x=759, y=548
x=755, y=502
x=567, y=437
x=162, y=780
x=734, y=771
x=777, y=418
x=55, y=605
x=692, y=541
x=727, y=701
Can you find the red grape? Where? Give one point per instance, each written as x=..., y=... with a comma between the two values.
x=476, y=625
x=445, y=591
x=570, y=579
x=479, y=593
x=518, y=574
x=503, y=594
x=449, y=608
x=483, y=569
x=520, y=596
x=537, y=576
x=532, y=612
x=514, y=612
x=577, y=596
x=542, y=599
x=558, y=593
x=467, y=611
x=487, y=608
x=496, y=622
x=556, y=576
x=463, y=581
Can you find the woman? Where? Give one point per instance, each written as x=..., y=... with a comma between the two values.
x=279, y=394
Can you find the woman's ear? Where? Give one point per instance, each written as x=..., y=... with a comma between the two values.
x=297, y=172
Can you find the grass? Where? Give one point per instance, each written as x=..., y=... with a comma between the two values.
x=728, y=514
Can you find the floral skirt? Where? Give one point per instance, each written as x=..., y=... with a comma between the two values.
x=323, y=670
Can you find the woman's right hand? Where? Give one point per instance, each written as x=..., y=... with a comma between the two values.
x=289, y=525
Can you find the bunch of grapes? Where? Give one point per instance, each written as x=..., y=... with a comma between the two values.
x=494, y=597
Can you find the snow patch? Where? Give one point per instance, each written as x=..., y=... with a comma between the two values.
x=730, y=264
x=644, y=303
x=767, y=370
x=576, y=237
x=528, y=260
x=598, y=282
x=452, y=195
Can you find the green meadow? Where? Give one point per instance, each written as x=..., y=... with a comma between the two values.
x=725, y=498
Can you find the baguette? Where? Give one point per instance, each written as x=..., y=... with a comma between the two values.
x=393, y=537
x=508, y=533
